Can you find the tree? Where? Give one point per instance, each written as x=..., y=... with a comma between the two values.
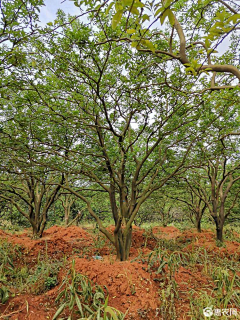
x=25, y=183
x=220, y=172
x=31, y=197
x=131, y=131
x=111, y=116
x=67, y=201
x=189, y=193
x=157, y=209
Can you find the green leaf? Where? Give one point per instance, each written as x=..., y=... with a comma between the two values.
x=127, y=2
x=134, y=44
x=212, y=51
x=59, y=311
x=164, y=15
x=171, y=17
x=129, y=31
x=118, y=6
x=191, y=70
x=112, y=313
x=78, y=302
x=109, y=7
x=4, y=295
x=167, y=3
x=34, y=63
x=88, y=309
x=207, y=42
x=234, y=18
x=98, y=7
x=116, y=19
x=159, y=11
x=145, y=17
x=221, y=15
x=148, y=44
x=134, y=10
x=138, y=4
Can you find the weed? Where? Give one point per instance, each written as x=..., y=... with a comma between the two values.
x=168, y=297
x=4, y=294
x=220, y=244
x=51, y=282
x=99, y=242
x=157, y=260
x=222, y=296
x=8, y=255
x=42, y=277
x=225, y=287
x=198, y=302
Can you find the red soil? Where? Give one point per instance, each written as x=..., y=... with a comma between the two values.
x=131, y=287
x=166, y=232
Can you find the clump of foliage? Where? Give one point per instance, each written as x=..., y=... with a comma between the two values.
x=7, y=256
x=43, y=277
x=16, y=273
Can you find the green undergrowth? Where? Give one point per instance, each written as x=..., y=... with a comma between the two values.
x=220, y=275
x=17, y=275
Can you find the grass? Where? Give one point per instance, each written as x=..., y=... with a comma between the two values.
x=16, y=274
x=222, y=287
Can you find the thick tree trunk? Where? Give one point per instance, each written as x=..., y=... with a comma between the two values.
x=198, y=225
x=219, y=230
x=35, y=230
x=123, y=241
x=219, y=221
x=38, y=227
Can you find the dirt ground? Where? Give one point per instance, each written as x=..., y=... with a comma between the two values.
x=133, y=286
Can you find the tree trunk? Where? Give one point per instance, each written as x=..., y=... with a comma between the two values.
x=123, y=241
x=198, y=224
x=35, y=230
x=220, y=233
x=38, y=227
x=66, y=215
x=219, y=227
x=42, y=227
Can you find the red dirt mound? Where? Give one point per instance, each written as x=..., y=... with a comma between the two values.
x=55, y=248
x=130, y=286
x=166, y=232
x=28, y=307
x=207, y=240
x=56, y=241
x=68, y=234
